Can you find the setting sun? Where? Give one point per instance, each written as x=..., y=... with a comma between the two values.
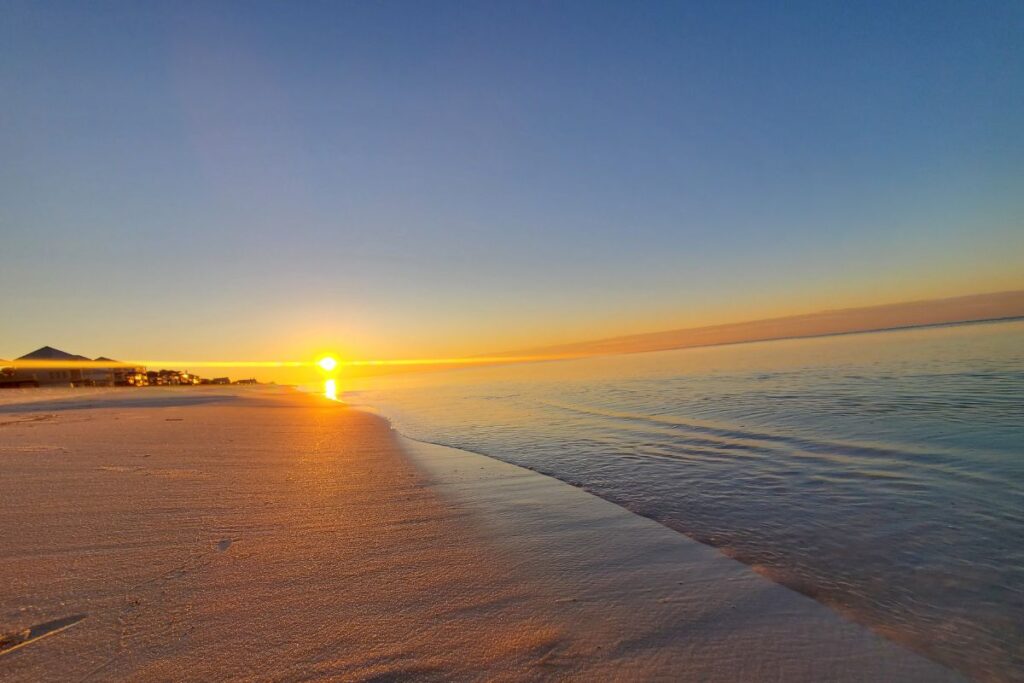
x=512, y=340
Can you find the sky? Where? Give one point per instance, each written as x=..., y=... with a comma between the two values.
x=408, y=179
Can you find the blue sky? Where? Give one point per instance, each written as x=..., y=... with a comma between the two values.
x=419, y=178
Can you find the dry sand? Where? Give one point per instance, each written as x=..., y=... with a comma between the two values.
x=262, y=534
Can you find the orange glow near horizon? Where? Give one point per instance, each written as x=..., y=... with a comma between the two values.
x=296, y=371
x=999, y=305
x=327, y=364
x=156, y=363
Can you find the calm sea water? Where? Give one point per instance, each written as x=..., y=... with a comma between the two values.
x=880, y=473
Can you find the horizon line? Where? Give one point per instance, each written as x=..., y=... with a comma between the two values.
x=936, y=313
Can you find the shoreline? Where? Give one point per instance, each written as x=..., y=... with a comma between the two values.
x=276, y=534
x=603, y=554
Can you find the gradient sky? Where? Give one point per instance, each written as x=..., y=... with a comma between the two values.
x=267, y=180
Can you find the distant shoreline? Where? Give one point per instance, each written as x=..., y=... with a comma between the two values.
x=981, y=308
x=905, y=328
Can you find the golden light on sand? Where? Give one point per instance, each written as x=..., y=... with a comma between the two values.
x=327, y=363
x=331, y=389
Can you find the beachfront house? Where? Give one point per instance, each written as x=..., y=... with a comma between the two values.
x=91, y=373
x=65, y=373
x=58, y=375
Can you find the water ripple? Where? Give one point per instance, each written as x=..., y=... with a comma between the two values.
x=882, y=474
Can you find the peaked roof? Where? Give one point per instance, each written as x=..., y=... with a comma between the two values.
x=50, y=353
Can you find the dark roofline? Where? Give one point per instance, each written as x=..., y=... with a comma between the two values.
x=50, y=353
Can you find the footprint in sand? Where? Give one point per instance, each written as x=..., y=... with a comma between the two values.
x=24, y=420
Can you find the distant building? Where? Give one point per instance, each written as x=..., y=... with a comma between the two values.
x=251, y=380
x=168, y=378
x=58, y=375
x=126, y=376
x=91, y=373
x=133, y=377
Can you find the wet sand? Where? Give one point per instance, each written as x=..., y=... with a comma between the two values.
x=263, y=534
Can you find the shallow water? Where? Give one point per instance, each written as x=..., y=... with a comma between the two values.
x=881, y=473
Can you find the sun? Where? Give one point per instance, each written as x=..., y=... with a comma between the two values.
x=327, y=363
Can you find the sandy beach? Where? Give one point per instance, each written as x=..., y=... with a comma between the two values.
x=264, y=534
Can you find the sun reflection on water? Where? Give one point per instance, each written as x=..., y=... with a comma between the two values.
x=331, y=389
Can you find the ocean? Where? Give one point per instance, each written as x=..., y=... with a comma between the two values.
x=880, y=473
